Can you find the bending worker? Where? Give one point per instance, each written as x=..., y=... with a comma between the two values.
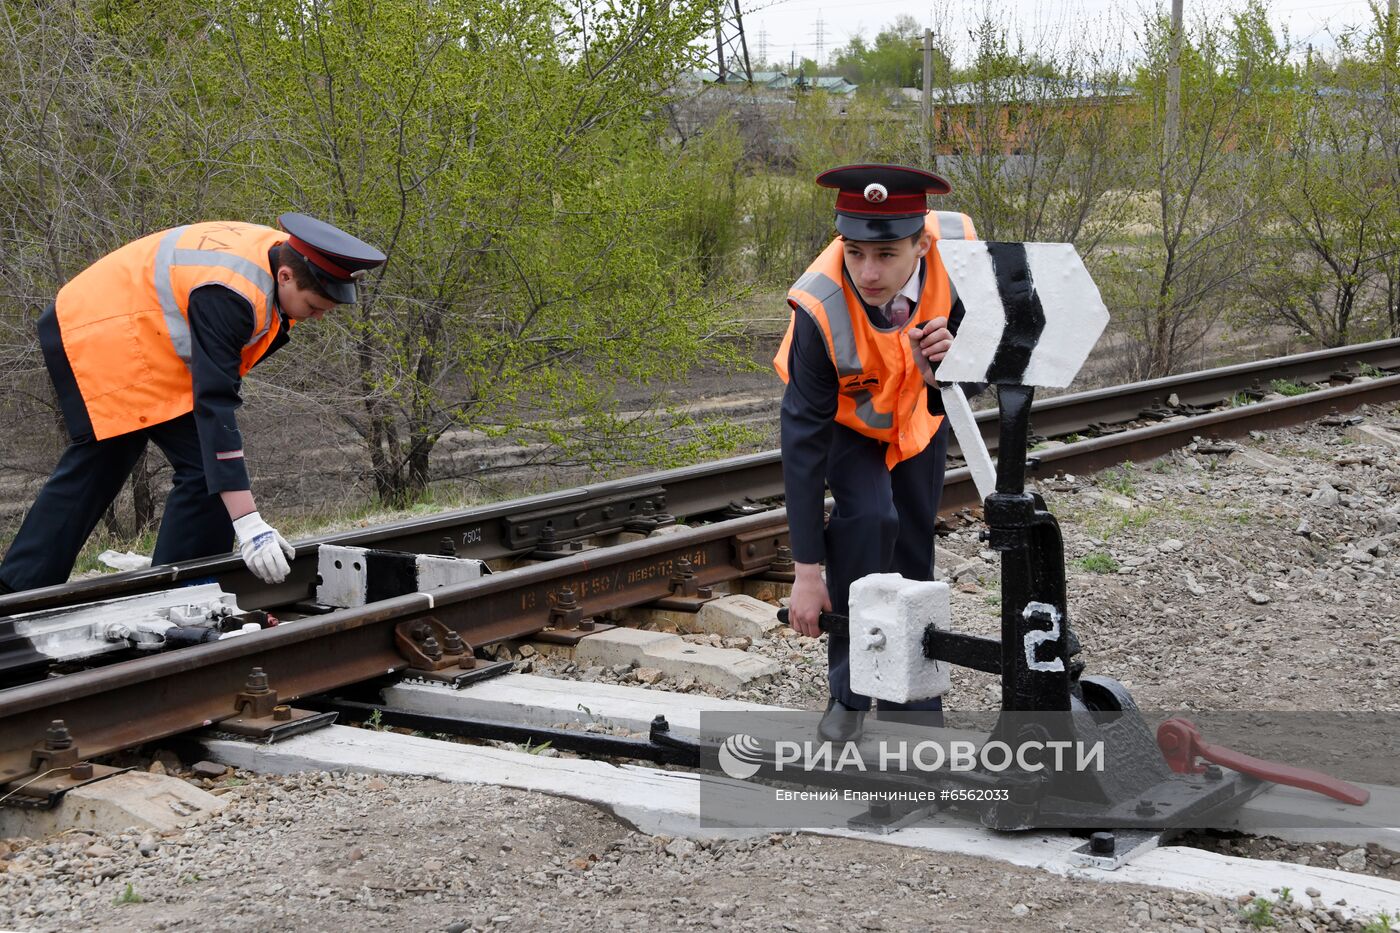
x=150, y=343
x=870, y=316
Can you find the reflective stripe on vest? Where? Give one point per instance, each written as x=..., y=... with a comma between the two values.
x=168, y=257
x=843, y=340
x=825, y=300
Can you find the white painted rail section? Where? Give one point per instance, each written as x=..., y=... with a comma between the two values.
x=539, y=701
x=667, y=802
x=529, y=699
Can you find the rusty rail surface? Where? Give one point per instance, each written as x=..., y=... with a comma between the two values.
x=1071, y=413
x=1147, y=443
x=126, y=704
x=518, y=526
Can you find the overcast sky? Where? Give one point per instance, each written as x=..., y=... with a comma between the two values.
x=790, y=27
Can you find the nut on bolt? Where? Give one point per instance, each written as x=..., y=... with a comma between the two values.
x=82, y=771
x=452, y=643
x=782, y=563
x=282, y=713
x=58, y=737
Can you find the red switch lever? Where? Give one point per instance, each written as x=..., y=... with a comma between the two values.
x=1181, y=744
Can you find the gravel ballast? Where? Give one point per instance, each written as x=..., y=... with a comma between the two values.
x=1265, y=579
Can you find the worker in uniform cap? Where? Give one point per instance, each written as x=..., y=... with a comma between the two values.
x=150, y=343
x=871, y=317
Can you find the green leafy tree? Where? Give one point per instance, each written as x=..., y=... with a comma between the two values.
x=507, y=158
x=1335, y=203
x=894, y=59
x=1174, y=289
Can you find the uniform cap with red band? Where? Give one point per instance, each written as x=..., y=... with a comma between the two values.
x=337, y=259
x=881, y=202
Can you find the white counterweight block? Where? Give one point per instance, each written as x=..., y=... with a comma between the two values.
x=342, y=575
x=889, y=615
x=436, y=572
x=356, y=576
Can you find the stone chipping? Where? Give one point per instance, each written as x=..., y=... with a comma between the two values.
x=1264, y=577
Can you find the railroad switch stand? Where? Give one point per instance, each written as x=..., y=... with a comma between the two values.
x=1046, y=698
x=1045, y=695
x=1032, y=317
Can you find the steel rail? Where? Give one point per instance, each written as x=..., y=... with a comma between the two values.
x=1066, y=414
x=126, y=704
x=482, y=533
x=1148, y=443
x=506, y=528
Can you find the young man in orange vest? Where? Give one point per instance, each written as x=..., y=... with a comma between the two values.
x=150, y=343
x=871, y=316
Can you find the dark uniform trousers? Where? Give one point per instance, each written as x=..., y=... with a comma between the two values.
x=88, y=477
x=882, y=522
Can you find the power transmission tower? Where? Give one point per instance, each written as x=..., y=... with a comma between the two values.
x=821, y=39
x=731, y=50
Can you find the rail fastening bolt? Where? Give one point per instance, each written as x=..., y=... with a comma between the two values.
x=782, y=563
x=257, y=681
x=58, y=738
x=82, y=771
x=282, y=713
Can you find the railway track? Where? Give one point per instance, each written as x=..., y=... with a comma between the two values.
x=1110, y=419
x=121, y=705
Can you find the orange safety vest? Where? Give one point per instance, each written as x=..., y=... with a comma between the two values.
x=882, y=395
x=124, y=320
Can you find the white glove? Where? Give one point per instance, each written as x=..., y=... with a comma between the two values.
x=264, y=550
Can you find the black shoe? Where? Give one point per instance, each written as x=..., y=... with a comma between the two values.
x=840, y=723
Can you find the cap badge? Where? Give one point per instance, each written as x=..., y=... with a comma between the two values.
x=876, y=192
